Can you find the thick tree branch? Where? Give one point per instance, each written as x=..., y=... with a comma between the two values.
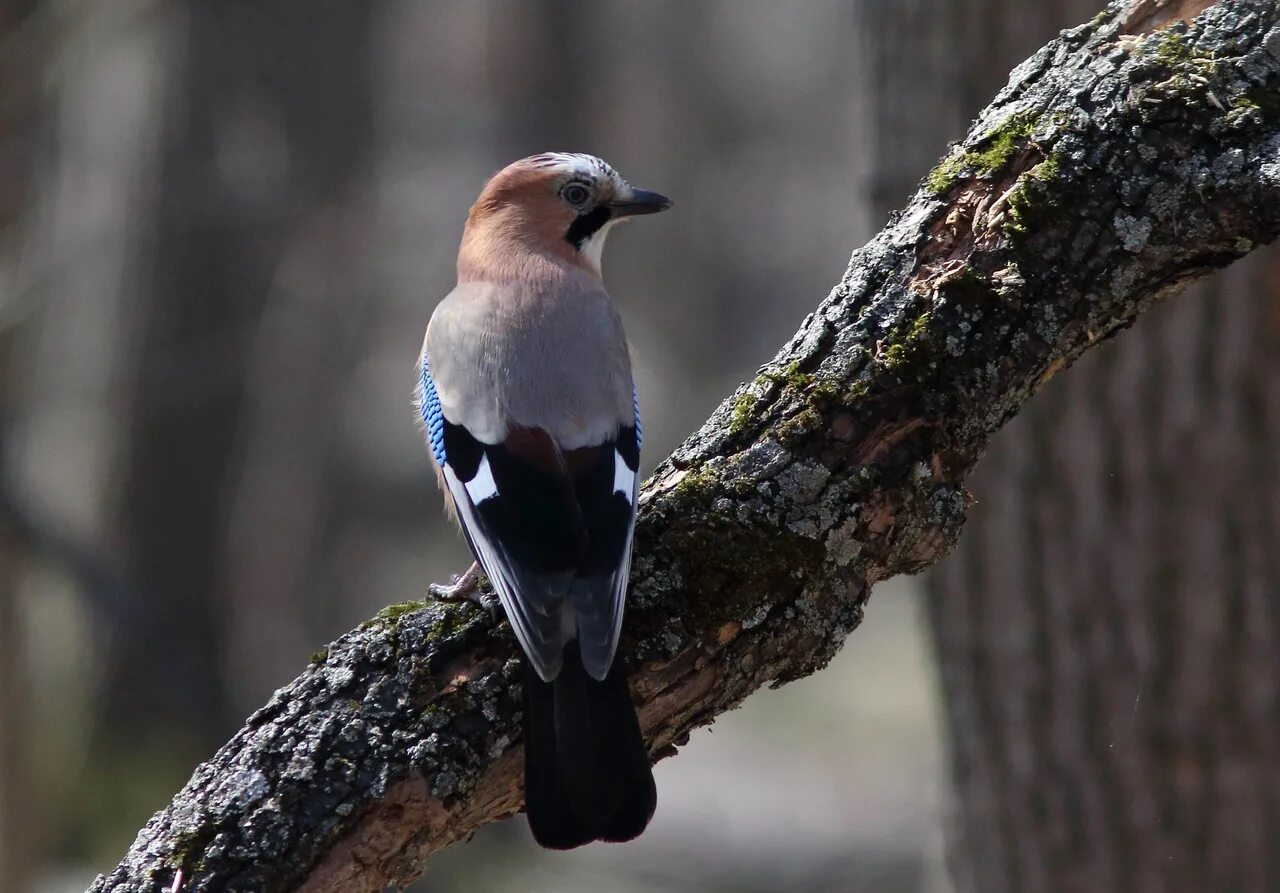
x=1118, y=164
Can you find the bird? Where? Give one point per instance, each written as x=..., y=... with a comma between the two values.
x=533, y=423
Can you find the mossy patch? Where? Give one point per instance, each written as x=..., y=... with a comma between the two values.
x=856, y=393
x=804, y=422
x=793, y=377
x=695, y=489
x=1171, y=47
x=1265, y=101
x=905, y=352
x=390, y=618
x=743, y=408
x=999, y=146
x=816, y=390
x=394, y=613
x=1186, y=73
x=820, y=396
x=734, y=573
x=1032, y=195
x=189, y=849
x=391, y=615
x=446, y=626
x=447, y=707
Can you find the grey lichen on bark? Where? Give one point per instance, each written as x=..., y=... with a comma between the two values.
x=1117, y=164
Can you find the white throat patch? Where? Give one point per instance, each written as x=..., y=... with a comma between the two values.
x=592, y=248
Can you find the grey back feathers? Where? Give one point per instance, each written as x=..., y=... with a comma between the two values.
x=553, y=358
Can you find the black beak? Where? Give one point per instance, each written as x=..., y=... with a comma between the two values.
x=642, y=201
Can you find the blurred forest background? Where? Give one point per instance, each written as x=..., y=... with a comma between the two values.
x=223, y=226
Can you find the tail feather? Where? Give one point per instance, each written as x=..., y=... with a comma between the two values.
x=618, y=730
x=551, y=815
x=587, y=774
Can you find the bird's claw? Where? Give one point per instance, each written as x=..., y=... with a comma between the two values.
x=465, y=588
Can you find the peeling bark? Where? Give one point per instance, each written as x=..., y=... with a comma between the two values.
x=1110, y=171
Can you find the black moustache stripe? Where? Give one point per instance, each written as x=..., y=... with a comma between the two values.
x=587, y=225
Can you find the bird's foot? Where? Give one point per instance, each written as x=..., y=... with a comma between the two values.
x=465, y=588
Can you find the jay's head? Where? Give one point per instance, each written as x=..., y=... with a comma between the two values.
x=560, y=204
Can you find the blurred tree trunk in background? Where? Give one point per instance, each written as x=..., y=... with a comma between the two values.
x=267, y=122
x=17, y=846
x=1109, y=629
x=25, y=40
x=287, y=496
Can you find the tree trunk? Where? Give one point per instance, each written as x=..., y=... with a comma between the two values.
x=27, y=38
x=1109, y=631
x=17, y=832
x=269, y=119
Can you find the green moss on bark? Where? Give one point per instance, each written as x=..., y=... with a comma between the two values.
x=999, y=146
x=1033, y=194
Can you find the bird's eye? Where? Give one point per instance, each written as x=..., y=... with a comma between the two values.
x=575, y=194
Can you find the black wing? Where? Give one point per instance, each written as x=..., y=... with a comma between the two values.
x=553, y=531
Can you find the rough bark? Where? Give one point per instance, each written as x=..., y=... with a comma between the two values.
x=1115, y=167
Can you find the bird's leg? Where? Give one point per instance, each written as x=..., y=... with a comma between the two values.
x=465, y=589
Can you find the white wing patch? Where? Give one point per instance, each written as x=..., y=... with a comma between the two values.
x=526, y=627
x=482, y=486
x=624, y=479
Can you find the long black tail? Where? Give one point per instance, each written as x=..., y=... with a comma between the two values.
x=586, y=769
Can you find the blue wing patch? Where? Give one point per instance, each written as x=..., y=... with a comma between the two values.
x=635, y=398
x=432, y=414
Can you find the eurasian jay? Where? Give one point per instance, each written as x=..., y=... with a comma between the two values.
x=534, y=426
